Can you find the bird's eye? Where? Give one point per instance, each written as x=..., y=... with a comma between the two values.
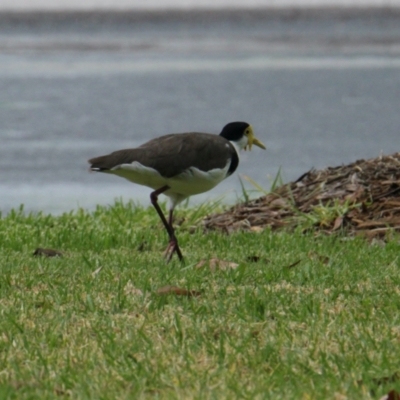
x=246, y=132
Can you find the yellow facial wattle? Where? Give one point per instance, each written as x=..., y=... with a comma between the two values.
x=253, y=140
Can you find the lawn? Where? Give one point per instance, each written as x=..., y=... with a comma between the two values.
x=291, y=315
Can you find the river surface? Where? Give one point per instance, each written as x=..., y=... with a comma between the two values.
x=62, y=5
x=319, y=90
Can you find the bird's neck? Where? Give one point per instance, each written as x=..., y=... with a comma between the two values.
x=239, y=145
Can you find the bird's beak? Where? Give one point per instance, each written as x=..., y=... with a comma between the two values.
x=253, y=140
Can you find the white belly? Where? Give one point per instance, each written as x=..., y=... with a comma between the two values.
x=191, y=182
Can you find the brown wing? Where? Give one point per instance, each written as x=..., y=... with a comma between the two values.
x=173, y=154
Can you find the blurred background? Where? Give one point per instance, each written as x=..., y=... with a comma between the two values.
x=319, y=81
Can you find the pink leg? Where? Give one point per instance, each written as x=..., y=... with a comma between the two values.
x=173, y=243
x=173, y=246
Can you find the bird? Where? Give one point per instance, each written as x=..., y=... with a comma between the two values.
x=180, y=165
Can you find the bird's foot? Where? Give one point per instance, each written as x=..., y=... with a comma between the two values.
x=172, y=248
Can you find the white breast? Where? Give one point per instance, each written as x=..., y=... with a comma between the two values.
x=190, y=182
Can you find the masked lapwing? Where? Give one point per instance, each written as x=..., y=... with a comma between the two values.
x=180, y=165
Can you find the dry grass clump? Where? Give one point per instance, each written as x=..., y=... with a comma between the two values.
x=362, y=197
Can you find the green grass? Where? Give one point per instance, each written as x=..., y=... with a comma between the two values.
x=90, y=325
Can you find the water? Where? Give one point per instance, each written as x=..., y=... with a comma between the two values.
x=25, y=5
x=318, y=92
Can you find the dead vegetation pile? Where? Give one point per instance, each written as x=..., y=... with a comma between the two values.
x=362, y=197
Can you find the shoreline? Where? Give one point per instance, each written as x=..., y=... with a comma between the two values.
x=256, y=13
x=113, y=17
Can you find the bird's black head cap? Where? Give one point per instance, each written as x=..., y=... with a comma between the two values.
x=234, y=130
